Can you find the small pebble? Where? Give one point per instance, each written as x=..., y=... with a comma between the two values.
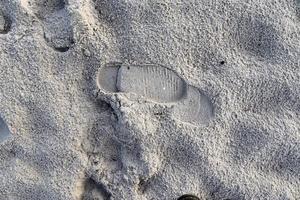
x=86, y=52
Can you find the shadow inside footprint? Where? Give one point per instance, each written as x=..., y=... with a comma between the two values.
x=4, y=131
x=297, y=8
x=188, y=197
x=160, y=85
x=5, y=23
x=93, y=190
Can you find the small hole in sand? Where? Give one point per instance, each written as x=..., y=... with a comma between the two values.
x=188, y=197
x=62, y=49
x=222, y=62
x=128, y=67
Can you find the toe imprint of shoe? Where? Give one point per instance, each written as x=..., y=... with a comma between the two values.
x=160, y=85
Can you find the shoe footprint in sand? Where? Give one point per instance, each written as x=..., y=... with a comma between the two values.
x=54, y=16
x=160, y=85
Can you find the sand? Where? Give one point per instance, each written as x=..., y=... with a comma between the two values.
x=128, y=99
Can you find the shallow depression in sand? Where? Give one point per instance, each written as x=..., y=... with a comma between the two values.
x=4, y=131
x=4, y=23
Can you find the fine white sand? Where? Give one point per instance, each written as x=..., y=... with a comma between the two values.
x=149, y=100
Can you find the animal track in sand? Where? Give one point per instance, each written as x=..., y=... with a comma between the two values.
x=160, y=85
x=58, y=32
x=4, y=131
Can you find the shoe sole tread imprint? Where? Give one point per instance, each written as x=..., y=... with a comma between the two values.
x=158, y=84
